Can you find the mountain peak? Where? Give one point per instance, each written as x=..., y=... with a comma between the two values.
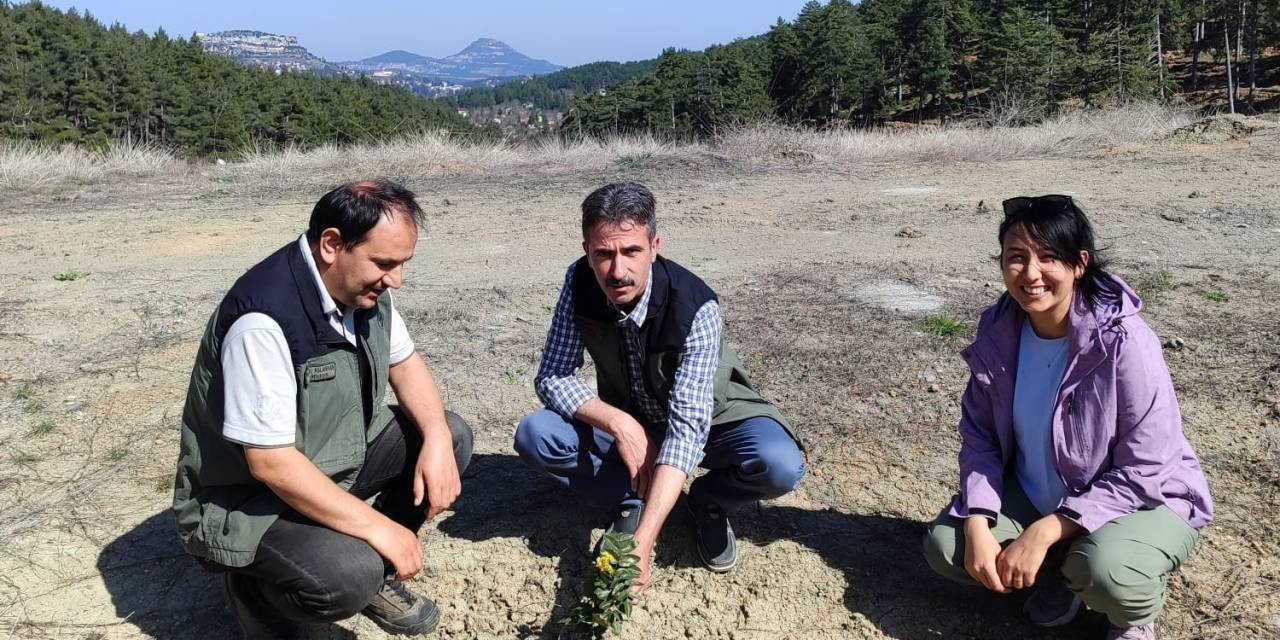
x=488, y=44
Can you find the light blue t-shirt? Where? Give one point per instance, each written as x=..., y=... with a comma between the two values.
x=1041, y=363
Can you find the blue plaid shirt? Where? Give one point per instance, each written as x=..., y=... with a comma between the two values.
x=687, y=415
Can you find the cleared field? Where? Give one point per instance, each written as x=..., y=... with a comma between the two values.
x=843, y=272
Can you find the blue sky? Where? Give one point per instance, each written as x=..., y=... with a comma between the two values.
x=565, y=32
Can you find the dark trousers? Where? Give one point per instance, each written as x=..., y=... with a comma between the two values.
x=306, y=572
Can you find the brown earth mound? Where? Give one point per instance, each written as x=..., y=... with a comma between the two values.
x=1220, y=128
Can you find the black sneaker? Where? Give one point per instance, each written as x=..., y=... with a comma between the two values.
x=627, y=520
x=401, y=612
x=256, y=623
x=717, y=547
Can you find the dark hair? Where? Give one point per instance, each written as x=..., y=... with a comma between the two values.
x=620, y=202
x=353, y=209
x=1058, y=224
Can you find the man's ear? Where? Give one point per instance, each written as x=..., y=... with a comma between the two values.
x=329, y=246
x=653, y=246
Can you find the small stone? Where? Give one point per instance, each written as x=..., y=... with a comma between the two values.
x=1173, y=217
x=221, y=163
x=1177, y=344
x=448, y=202
x=1242, y=226
x=909, y=232
x=933, y=388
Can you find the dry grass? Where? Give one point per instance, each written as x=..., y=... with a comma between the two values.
x=24, y=164
x=438, y=152
x=1068, y=134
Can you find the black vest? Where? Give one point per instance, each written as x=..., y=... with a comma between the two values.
x=674, y=301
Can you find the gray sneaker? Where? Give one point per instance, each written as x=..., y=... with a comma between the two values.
x=1140, y=632
x=717, y=546
x=252, y=616
x=400, y=611
x=1051, y=603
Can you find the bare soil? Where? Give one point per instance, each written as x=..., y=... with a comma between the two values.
x=822, y=295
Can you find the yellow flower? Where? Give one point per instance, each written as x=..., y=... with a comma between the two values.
x=605, y=562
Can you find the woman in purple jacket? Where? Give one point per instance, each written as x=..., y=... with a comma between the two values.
x=1075, y=478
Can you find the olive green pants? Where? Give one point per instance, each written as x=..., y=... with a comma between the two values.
x=1119, y=570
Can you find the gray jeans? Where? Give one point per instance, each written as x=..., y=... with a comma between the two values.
x=306, y=572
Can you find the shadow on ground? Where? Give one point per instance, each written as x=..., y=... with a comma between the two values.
x=881, y=558
x=160, y=590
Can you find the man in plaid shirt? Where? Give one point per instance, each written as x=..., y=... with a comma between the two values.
x=671, y=395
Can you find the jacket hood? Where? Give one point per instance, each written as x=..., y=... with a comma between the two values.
x=1000, y=326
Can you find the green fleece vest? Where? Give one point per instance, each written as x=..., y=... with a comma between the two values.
x=222, y=511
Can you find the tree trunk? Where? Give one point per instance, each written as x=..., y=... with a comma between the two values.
x=1159, y=58
x=1088, y=9
x=1253, y=52
x=1231, y=92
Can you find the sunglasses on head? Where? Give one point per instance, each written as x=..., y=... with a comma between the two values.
x=1037, y=204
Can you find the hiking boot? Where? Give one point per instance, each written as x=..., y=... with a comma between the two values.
x=252, y=615
x=1052, y=603
x=400, y=611
x=717, y=546
x=1140, y=632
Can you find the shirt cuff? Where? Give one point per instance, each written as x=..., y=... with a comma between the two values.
x=672, y=455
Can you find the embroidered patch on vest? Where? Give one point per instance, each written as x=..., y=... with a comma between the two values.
x=321, y=372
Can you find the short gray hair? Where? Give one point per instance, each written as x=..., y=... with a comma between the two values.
x=620, y=202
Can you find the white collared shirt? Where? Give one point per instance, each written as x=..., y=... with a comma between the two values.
x=259, y=388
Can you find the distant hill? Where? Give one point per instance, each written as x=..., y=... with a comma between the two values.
x=171, y=92
x=484, y=60
x=553, y=91
x=399, y=56
x=266, y=50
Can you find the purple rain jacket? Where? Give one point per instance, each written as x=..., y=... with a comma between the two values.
x=1117, y=431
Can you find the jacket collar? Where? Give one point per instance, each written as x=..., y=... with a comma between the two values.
x=312, y=302
x=996, y=346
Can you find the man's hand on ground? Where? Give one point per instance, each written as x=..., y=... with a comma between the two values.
x=436, y=475
x=399, y=546
x=644, y=551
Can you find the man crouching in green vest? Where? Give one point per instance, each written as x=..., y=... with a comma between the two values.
x=671, y=395
x=285, y=434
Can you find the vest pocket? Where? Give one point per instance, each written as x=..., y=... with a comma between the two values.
x=331, y=429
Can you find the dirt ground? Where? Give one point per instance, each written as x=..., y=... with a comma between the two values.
x=105, y=289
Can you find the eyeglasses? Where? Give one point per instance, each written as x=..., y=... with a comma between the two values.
x=1053, y=203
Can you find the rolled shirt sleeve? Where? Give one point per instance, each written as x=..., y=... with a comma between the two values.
x=557, y=383
x=259, y=389
x=693, y=393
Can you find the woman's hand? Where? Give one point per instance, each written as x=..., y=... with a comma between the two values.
x=1021, y=560
x=981, y=551
x=1019, y=563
